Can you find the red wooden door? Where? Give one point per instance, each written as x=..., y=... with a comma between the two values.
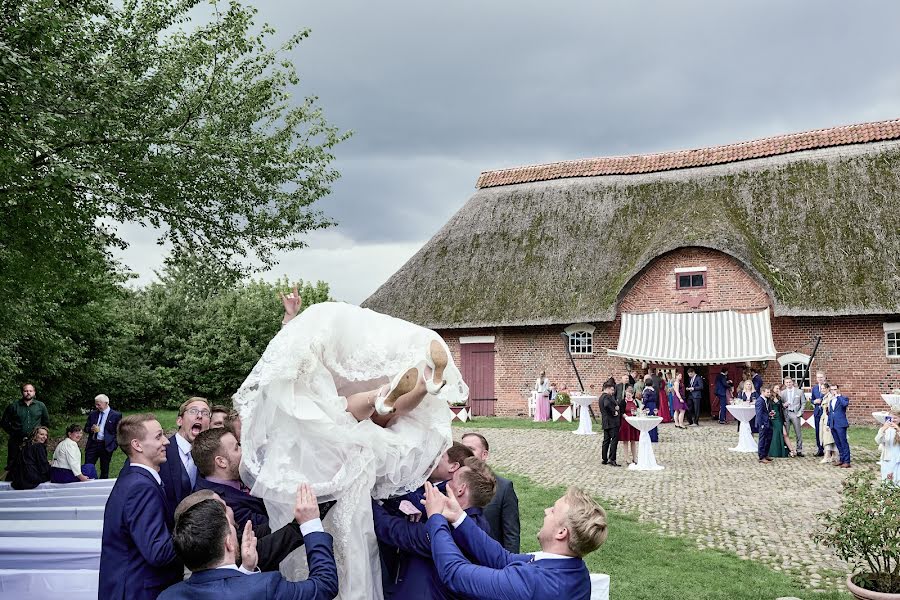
x=734, y=374
x=477, y=365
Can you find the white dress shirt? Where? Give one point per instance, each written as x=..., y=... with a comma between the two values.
x=152, y=471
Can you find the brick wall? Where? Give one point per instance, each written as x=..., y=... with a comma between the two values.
x=852, y=352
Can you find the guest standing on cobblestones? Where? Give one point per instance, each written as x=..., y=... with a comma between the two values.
x=650, y=398
x=627, y=433
x=818, y=393
x=837, y=420
x=19, y=420
x=612, y=410
x=763, y=415
x=793, y=400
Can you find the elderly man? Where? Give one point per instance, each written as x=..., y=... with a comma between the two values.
x=101, y=429
x=137, y=558
x=793, y=400
x=206, y=539
x=179, y=473
x=19, y=420
x=573, y=527
x=472, y=485
x=502, y=513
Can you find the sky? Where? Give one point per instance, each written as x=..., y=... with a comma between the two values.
x=437, y=92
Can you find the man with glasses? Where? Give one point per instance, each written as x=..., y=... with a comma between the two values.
x=179, y=473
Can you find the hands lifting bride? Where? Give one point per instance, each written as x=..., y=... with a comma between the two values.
x=356, y=404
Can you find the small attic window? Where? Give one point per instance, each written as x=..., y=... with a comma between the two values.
x=689, y=278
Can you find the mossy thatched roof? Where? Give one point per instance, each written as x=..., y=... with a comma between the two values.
x=819, y=228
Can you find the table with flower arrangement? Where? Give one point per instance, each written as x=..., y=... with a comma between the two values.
x=646, y=459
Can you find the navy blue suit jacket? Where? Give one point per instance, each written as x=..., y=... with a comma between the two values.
x=245, y=507
x=838, y=416
x=221, y=584
x=757, y=383
x=418, y=577
x=498, y=574
x=721, y=384
x=176, y=482
x=109, y=428
x=817, y=394
x=502, y=513
x=137, y=556
x=762, y=413
x=697, y=383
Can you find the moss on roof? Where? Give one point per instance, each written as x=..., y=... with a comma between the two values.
x=820, y=229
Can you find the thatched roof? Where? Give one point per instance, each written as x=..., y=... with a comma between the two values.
x=820, y=229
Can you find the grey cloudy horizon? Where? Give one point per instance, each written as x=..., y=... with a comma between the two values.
x=436, y=93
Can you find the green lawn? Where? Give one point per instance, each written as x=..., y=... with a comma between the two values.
x=861, y=436
x=644, y=564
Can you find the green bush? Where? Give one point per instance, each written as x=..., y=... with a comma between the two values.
x=562, y=399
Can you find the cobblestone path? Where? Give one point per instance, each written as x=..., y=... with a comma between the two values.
x=721, y=499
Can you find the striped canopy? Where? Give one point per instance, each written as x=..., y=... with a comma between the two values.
x=696, y=338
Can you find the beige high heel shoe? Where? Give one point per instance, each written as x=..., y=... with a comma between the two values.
x=404, y=382
x=436, y=358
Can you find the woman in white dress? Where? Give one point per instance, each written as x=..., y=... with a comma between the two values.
x=888, y=438
x=305, y=412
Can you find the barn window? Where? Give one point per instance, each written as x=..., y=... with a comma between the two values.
x=581, y=339
x=688, y=278
x=795, y=366
x=892, y=339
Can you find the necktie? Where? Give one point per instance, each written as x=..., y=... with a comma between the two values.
x=99, y=435
x=191, y=469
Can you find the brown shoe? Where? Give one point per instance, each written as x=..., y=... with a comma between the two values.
x=845, y=465
x=839, y=464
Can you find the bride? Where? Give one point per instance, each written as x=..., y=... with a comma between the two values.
x=355, y=403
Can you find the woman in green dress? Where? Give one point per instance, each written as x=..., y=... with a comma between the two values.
x=777, y=449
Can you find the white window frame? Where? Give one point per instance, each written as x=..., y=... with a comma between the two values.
x=891, y=330
x=793, y=363
x=581, y=335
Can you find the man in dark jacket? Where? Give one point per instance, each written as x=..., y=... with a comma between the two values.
x=101, y=429
x=502, y=513
x=612, y=411
x=19, y=420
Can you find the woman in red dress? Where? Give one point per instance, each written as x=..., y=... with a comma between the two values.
x=628, y=434
x=663, y=402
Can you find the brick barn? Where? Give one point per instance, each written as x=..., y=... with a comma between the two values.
x=734, y=255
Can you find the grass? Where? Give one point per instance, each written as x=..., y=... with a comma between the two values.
x=644, y=564
x=862, y=436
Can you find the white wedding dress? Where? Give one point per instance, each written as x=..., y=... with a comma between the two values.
x=295, y=428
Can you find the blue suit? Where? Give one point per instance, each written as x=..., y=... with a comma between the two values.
x=837, y=421
x=137, y=556
x=722, y=394
x=501, y=575
x=220, y=584
x=417, y=578
x=757, y=383
x=649, y=397
x=765, y=427
x=101, y=449
x=817, y=414
x=245, y=507
x=176, y=482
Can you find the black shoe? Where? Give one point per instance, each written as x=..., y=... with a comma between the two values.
x=800, y=454
x=614, y=464
x=604, y=463
x=819, y=454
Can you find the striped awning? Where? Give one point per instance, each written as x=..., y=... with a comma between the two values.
x=696, y=338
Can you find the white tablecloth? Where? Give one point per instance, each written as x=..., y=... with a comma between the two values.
x=80, y=513
x=27, y=553
x=79, y=584
x=584, y=421
x=599, y=586
x=744, y=413
x=48, y=501
x=646, y=459
x=59, y=528
x=93, y=483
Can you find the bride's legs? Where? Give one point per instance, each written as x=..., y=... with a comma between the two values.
x=362, y=404
x=403, y=398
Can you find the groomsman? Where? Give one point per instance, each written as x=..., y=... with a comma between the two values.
x=764, y=413
x=502, y=513
x=818, y=394
x=695, y=395
x=101, y=429
x=722, y=385
x=612, y=418
x=179, y=473
x=837, y=421
x=573, y=527
x=756, y=379
x=793, y=399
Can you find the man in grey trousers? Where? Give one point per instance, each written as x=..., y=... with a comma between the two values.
x=793, y=400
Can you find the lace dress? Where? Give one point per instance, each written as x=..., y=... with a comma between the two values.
x=295, y=428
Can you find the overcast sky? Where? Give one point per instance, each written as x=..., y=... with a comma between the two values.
x=436, y=92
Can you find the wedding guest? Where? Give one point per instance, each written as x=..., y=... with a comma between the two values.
x=649, y=399
x=627, y=433
x=794, y=399
x=233, y=424
x=837, y=421
x=763, y=415
x=830, y=453
x=723, y=384
x=888, y=438
x=662, y=404
x=678, y=392
x=66, y=466
x=19, y=420
x=502, y=513
x=217, y=415
x=638, y=383
x=817, y=394
x=670, y=395
x=542, y=387
x=694, y=389
x=757, y=379
x=101, y=427
x=178, y=472
x=777, y=448
x=748, y=394
x=573, y=527
x=612, y=421
x=622, y=386
x=31, y=467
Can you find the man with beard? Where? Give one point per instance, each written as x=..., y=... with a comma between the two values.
x=19, y=420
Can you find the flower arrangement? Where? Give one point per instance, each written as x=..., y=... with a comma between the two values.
x=639, y=410
x=458, y=402
x=562, y=399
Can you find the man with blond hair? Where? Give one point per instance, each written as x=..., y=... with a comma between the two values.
x=179, y=473
x=573, y=527
x=472, y=485
x=137, y=557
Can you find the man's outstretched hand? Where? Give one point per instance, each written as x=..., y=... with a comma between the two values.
x=306, y=507
x=249, y=557
x=292, y=304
